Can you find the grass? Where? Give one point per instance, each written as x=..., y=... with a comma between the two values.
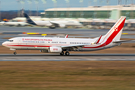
x=67, y=75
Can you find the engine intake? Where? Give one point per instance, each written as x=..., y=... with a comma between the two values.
x=55, y=49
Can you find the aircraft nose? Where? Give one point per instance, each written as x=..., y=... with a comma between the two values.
x=3, y=44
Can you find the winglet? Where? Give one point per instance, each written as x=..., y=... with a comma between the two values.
x=66, y=36
x=98, y=40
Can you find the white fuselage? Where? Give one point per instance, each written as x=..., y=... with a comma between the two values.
x=60, y=23
x=43, y=23
x=44, y=43
x=15, y=23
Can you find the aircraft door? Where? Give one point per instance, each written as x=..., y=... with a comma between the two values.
x=22, y=42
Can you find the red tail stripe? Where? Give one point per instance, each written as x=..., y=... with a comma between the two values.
x=109, y=40
x=29, y=45
x=112, y=29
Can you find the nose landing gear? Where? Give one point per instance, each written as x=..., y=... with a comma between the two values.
x=62, y=53
x=14, y=53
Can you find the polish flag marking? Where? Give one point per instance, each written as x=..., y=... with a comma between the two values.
x=115, y=28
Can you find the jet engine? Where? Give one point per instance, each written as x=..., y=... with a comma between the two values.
x=55, y=49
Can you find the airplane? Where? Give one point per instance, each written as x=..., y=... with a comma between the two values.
x=52, y=24
x=14, y=23
x=65, y=45
x=11, y=23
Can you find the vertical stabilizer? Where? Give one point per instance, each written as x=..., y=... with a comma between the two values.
x=115, y=32
x=28, y=19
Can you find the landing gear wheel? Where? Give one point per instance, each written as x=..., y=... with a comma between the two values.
x=67, y=53
x=15, y=53
x=62, y=53
x=52, y=27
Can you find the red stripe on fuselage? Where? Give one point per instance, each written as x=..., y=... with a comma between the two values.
x=29, y=46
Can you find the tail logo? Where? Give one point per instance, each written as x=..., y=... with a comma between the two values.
x=115, y=28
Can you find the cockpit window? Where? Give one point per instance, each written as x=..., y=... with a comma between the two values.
x=10, y=40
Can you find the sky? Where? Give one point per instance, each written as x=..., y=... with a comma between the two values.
x=14, y=5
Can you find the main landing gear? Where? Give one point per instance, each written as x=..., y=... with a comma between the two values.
x=66, y=53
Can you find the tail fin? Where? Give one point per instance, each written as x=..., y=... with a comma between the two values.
x=28, y=19
x=115, y=32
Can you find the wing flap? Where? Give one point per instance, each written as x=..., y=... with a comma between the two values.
x=73, y=46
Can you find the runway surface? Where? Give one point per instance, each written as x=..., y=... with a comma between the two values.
x=72, y=57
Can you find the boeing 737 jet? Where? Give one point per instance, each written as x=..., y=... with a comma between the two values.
x=52, y=24
x=65, y=45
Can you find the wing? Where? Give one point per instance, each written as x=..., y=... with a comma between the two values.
x=74, y=47
x=57, y=24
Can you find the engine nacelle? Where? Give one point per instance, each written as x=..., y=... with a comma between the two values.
x=52, y=27
x=55, y=49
